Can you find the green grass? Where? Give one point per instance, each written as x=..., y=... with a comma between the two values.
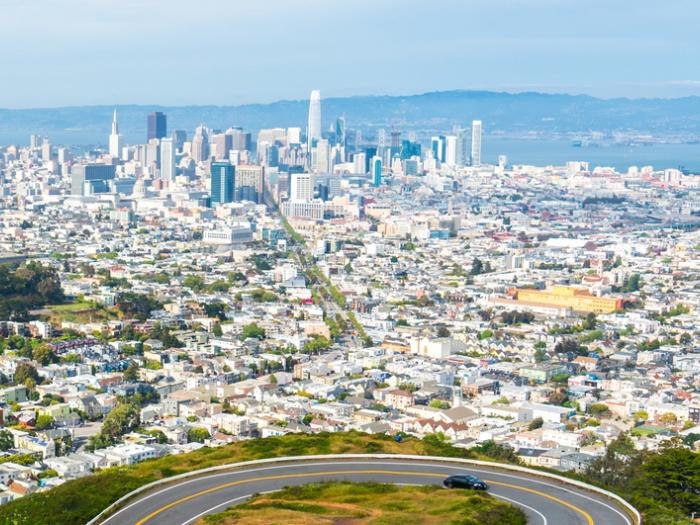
x=369, y=504
x=77, y=501
x=79, y=312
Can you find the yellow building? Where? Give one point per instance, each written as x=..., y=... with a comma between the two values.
x=578, y=299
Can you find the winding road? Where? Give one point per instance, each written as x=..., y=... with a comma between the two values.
x=544, y=501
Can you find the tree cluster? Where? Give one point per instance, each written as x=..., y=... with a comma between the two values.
x=25, y=287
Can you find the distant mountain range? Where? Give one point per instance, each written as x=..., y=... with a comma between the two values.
x=507, y=113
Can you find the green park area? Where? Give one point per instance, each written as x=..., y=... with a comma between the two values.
x=347, y=503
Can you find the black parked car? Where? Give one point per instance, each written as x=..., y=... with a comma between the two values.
x=464, y=482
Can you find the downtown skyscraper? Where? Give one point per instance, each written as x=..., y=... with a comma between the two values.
x=476, y=143
x=167, y=160
x=115, y=139
x=223, y=182
x=157, y=126
x=313, y=131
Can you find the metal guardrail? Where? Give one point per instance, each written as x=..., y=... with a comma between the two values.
x=621, y=502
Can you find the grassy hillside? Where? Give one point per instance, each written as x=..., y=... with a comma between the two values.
x=369, y=504
x=77, y=501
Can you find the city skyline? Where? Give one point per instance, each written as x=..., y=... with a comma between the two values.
x=248, y=251
x=600, y=49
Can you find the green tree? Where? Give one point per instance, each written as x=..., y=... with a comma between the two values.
x=486, y=334
x=137, y=305
x=254, y=331
x=121, y=419
x=7, y=440
x=316, y=345
x=673, y=477
x=599, y=410
x=197, y=435
x=540, y=355
x=566, y=346
x=44, y=355
x=535, y=423
x=161, y=438
x=163, y=334
x=193, y=282
x=215, y=309
x=443, y=331
x=494, y=450
x=24, y=372
x=27, y=286
x=131, y=374
x=633, y=283
x=43, y=422
x=590, y=322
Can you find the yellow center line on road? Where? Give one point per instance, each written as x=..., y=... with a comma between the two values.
x=545, y=495
x=144, y=520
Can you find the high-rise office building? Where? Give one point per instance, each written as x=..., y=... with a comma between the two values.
x=179, y=137
x=46, y=149
x=476, y=143
x=221, y=145
x=409, y=149
x=153, y=154
x=370, y=153
x=340, y=132
x=322, y=157
x=200, y=145
x=87, y=179
x=293, y=136
x=115, y=139
x=301, y=188
x=313, y=132
x=268, y=154
x=242, y=141
x=395, y=139
x=438, y=147
x=395, y=148
x=462, y=147
x=250, y=184
x=223, y=182
x=167, y=160
x=451, y=150
x=376, y=172
x=359, y=161
x=157, y=126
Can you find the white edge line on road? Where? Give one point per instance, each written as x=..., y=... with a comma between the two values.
x=437, y=465
x=229, y=502
x=579, y=494
x=229, y=469
x=386, y=463
x=224, y=503
x=544, y=519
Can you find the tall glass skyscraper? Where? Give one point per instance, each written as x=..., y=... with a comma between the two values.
x=314, y=128
x=376, y=172
x=476, y=143
x=157, y=125
x=223, y=182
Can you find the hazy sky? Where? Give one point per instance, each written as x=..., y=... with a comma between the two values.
x=174, y=52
